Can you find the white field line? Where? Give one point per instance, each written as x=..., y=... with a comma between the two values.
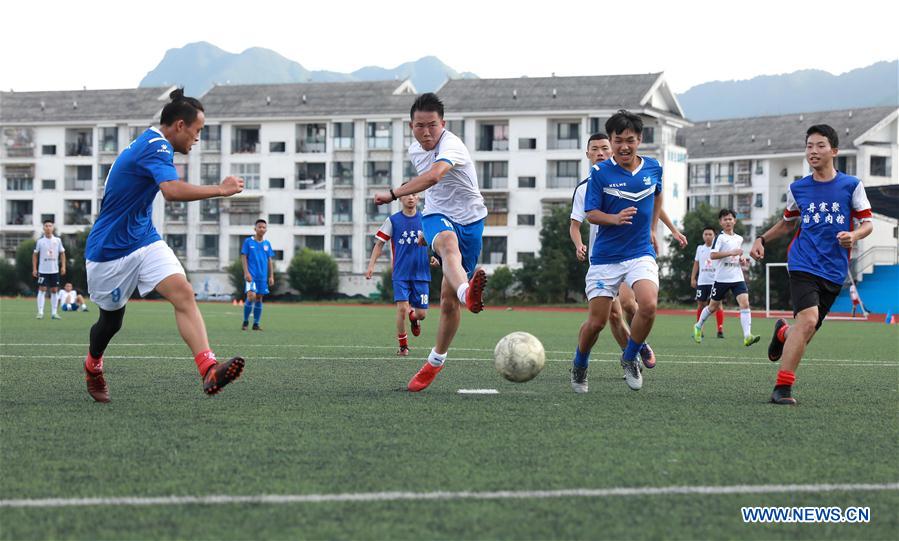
x=731, y=361
x=615, y=356
x=222, y=499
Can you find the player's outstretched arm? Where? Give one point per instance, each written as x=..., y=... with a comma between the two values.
x=375, y=254
x=174, y=190
x=681, y=239
x=418, y=184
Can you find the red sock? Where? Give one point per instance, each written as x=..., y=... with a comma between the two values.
x=785, y=377
x=95, y=366
x=719, y=316
x=782, y=334
x=404, y=340
x=205, y=360
x=698, y=313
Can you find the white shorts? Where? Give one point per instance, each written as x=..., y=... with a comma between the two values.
x=604, y=280
x=111, y=283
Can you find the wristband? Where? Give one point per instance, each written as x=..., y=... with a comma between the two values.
x=761, y=238
x=393, y=195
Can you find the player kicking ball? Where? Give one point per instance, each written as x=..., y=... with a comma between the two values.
x=258, y=271
x=124, y=252
x=411, y=274
x=824, y=204
x=453, y=222
x=624, y=198
x=728, y=254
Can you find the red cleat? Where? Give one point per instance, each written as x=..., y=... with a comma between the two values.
x=414, y=323
x=424, y=377
x=474, y=297
x=221, y=374
x=96, y=385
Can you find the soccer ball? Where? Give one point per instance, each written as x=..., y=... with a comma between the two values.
x=519, y=357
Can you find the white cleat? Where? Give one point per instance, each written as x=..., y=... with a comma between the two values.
x=579, y=380
x=633, y=376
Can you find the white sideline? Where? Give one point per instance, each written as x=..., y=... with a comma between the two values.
x=222, y=499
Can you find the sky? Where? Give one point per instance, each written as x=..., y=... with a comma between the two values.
x=56, y=45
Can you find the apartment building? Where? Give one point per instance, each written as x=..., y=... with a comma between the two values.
x=312, y=155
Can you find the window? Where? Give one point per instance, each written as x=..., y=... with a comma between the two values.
x=245, y=140
x=178, y=243
x=104, y=173
x=249, y=172
x=181, y=168
x=19, y=212
x=343, y=136
x=276, y=219
x=758, y=200
x=109, y=140
x=759, y=168
x=278, y=255
x=527, y=182
x=527, y=219
x=210, y=138
x=563, y=174
x=494, y=251
x=343, y=210
x=277, y=146
x=311, y=137
x=175, y=212
x=598, y=125
x=79, y=142
x=744, y=175
x=493, y=175
x=19, y=177
x=310, y=176
x=313, y=242
x=527, y=143
x=48, y=184
x=376, y=213
x=724, y=173
x=309, y=212
x=276, y=183
x=379, y=135
x=846, y=164
x=244, y=211
x=77, y=212
x=880, y=166
x=209, y=210
x=378, y=173
x=18, y=142
x=45, y=217
x=493, y=136
x=210, y=174
x=135, y=131
x=48, y=150
x=564, y=135
x=456, y=127
x=342, y=246
x=700, y=174
x=342, y=173
x=79, y=177
x=208, y=245
x=497, y=209
x=649, y=134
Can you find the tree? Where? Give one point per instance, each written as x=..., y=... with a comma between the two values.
x=678, y=264
x=501, y=281
x=314, y=274
x=559, y=274
x=775, y=252
x=9, y=282
x=23, y=264
x=76, y=270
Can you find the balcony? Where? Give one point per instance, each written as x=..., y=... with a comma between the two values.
x=310, y=146
x=18, y=142
x=376, y=213
x=342, y=247
x=378, y=173
x=209, y=210
x=109, y=140
x=563, y=144
x=342, y=174
x=19, y=212
x=310, y=176
x=19, y=177
x=495, y=183
x=77, y=212
x=561, y=182
x=343, y=143
x=310, y=138
x=211, y=139
x=245, y=140
x=309, y=212
x=175, y=212
x=79, y=142
x=493, y=137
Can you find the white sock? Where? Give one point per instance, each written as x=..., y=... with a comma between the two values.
x=746, y=322
x=703, y=316
x=436, y=359
x=40, y=301
x=463, y=289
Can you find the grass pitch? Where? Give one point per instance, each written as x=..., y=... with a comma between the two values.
x=321, y=410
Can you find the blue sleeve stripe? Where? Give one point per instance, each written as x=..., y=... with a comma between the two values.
x=447, y=160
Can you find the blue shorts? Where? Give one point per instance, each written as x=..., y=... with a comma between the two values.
x=257, y=286
x=414, y=291
x=71, y=307
x=720, y=289
x=469, y=237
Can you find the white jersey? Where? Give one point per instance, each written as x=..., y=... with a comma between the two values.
x=707, y=267
x=48, y=250
x=728, y=269
x=456, y=196
x=68, y=297
x=578, y=214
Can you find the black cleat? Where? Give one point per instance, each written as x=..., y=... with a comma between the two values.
x=256, y=327
x=776, y=347
x=720, y=334
x=245, y=325
x=221, y=374
x=783, y=395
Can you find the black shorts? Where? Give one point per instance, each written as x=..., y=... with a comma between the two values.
x=703, y=292
x=720, y=289
x=807, y=290
x=48, y=280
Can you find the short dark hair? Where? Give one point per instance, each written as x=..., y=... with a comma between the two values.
x=622, y=121
x=47, y=221
x=724, y=212
x=180, y=108
x=709, y=228
x=826, y=131
x=260, y=220
x=597, y=137
x=428, y=102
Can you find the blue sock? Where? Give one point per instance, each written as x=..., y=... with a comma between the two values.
x=257, y=312
x=630, y=352
x=581, y=359
x=247, y=308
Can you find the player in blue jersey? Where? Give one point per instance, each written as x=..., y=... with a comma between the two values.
x=825, y=204
x=453, y=222
x=124, y=252
x=258, y=272
x=624, y=199
x=411, y=274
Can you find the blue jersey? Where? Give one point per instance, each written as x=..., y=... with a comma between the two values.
x=410, y=259
x=823, y=209
x=258, y=254
x=611, y=189
x=124, y=223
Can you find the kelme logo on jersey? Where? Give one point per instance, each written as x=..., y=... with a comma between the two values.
x=163, y=148
x=647, y=181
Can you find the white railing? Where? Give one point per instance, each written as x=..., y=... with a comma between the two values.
x=877, y=255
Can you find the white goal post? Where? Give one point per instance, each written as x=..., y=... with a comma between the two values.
x=769, y=313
